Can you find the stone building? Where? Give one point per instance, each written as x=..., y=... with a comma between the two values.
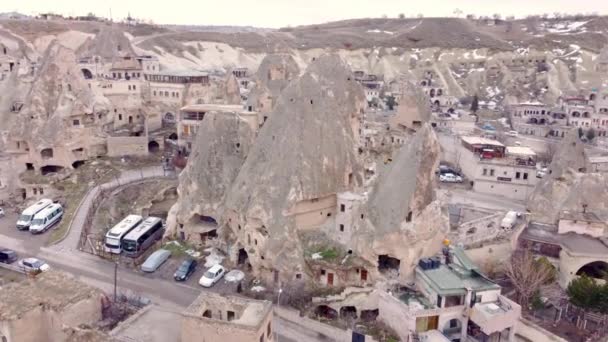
x=190, y=117
x=273, y=75
x=39, y=309
x=508, y=171
x=454, y=298
x=217, y=318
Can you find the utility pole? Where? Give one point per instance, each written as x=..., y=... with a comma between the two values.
x=115, y=278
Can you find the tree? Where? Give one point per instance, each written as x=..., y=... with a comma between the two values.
x=583, y=292
x=390, y=102
x=527, y=275
x=475, y=104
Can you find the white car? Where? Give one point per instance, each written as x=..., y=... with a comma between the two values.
x=450, y=178
x=512, y=133
x=510, y=219
x=33, y=264
x=212, y=276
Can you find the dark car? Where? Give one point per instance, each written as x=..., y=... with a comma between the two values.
x=185, y=270
x=7, y=256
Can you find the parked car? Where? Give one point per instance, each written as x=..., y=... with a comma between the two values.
x=450, y=178
x=155, y=260
x=512, y=133
x=443, y=169
x=212, y=276
x=509, y=220
x=34, y=265
x=185, y=270
x=8, y=256
x=542, y=172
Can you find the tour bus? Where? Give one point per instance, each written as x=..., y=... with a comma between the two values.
x=114, y=236
x=25, y=220
x=47, y=218
x=142, y=236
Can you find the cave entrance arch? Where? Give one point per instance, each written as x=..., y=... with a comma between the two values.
x=153, y=147
x=87, y=74
x=45, y=170
x=595, y=269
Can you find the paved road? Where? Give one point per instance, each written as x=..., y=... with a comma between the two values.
x=70, y=242
x=487, y=201
x=98, y=272
x=9, y=234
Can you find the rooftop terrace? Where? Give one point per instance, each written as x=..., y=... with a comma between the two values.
x=248, y=313
x=53, y=289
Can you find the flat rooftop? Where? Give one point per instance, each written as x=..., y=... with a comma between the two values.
x=481, y=141
x=580, y=216
x=577, y=243
x=248, y=312
x=53, y=289
x=521, y=151
x=216, y=108
x=180, y=72
x=598, y=159
x=449, y=279
x=457, y=276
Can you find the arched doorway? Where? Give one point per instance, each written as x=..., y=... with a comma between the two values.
x=169, y=117
x=45, y=170
x=87, y=74
x=452, y=326
x=596, y=269
x=348, y=312
x=326, y=312
x=153, y=147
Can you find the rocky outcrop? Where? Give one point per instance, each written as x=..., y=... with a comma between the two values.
x=404, y=219
x=221, y=146
x=59, y=111
x=306, y=151
x=568, y=185
x=273, y=75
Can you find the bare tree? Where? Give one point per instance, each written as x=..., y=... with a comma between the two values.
x=527, y=275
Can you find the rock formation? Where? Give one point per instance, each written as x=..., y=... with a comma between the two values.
x=304, y=153
x=59, y=112
x=221, y=146
x=404, y=220
x=273, y=75
x=568, y=185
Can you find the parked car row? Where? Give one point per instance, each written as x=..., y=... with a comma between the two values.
x=40, y=216
x=185, y=269
x=8, y=256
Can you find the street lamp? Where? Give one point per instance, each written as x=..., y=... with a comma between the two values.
x=276, y=333
x=279, y=297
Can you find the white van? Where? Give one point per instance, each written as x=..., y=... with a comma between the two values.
x=45, y=219
x=25, y=220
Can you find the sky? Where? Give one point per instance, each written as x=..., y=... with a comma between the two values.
x=282, y=13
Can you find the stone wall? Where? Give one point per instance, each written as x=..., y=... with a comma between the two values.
x=528, y=331
x=220, y=331
x=121, y=146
